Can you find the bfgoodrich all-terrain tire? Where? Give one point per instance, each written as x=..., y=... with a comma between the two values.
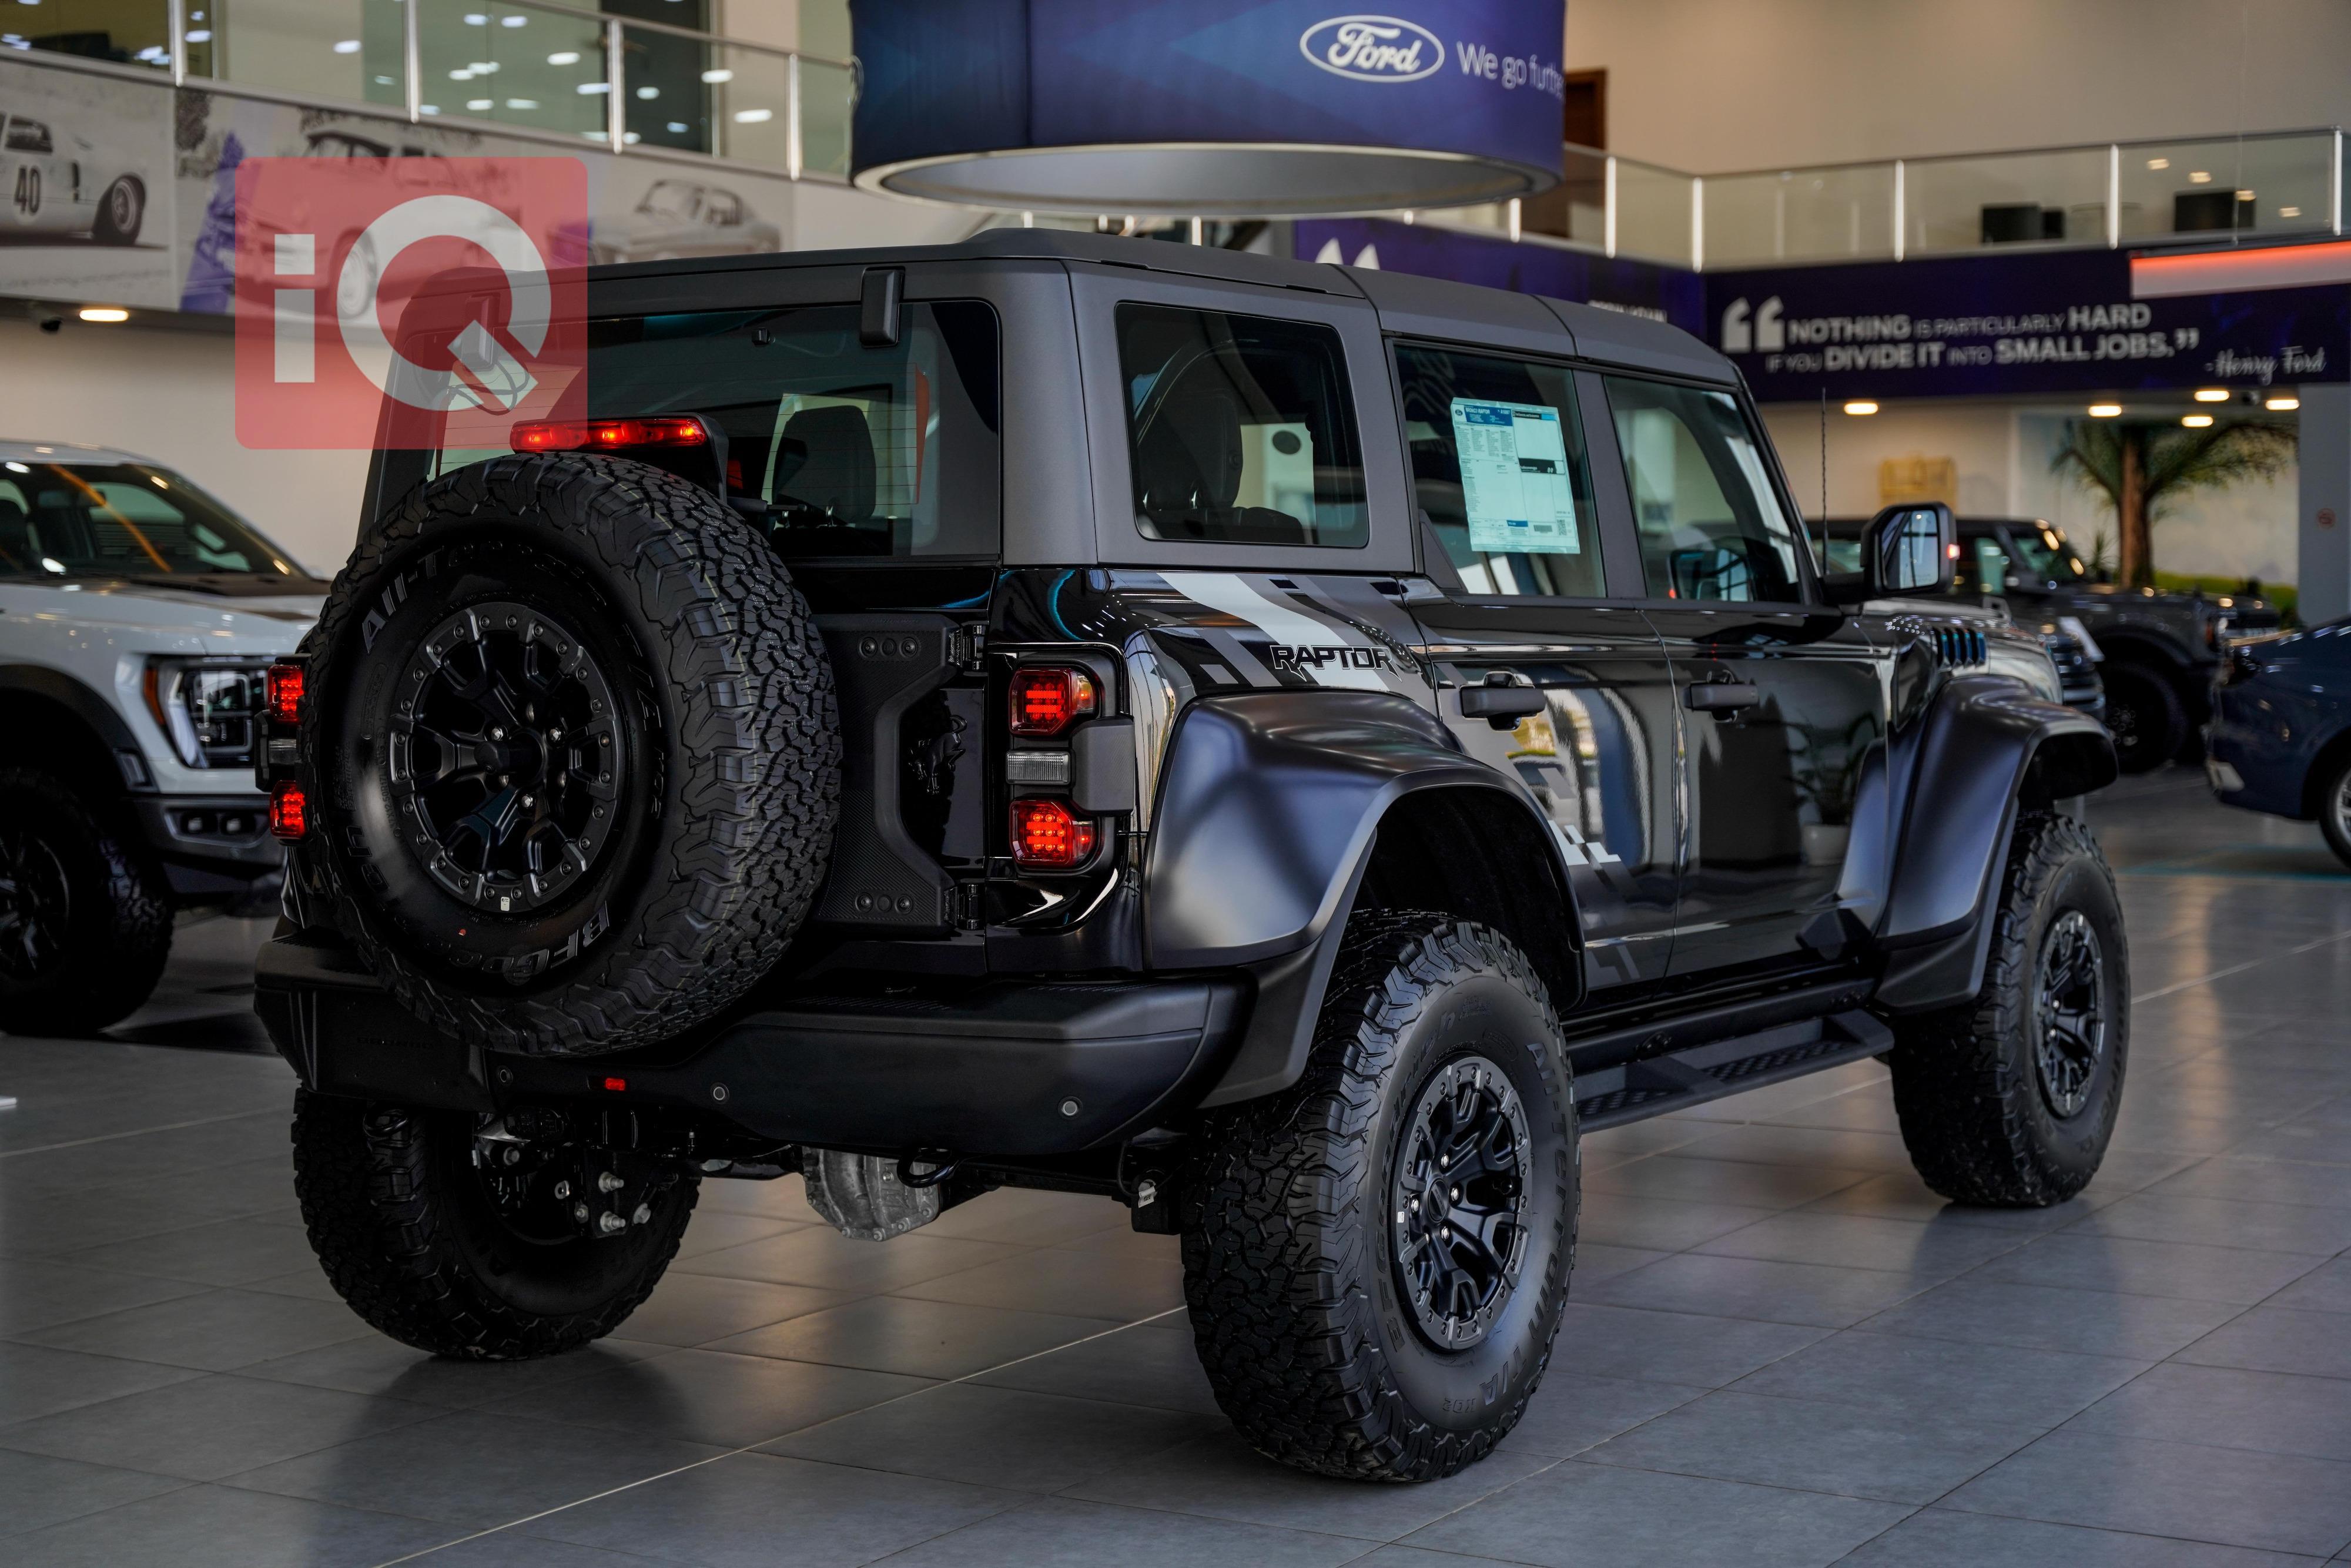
x=578, y=754
x=2009, y=1100
x=1377, y=1259
x=437, y=1239
x=85, y=920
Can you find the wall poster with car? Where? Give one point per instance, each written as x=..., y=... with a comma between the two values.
x=125, y=189
x=84, y=164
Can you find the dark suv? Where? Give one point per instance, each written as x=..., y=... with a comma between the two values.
x=2160, y=649
x=1280, y=747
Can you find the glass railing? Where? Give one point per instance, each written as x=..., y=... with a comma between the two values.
x=1798, y=214
x=535, y=66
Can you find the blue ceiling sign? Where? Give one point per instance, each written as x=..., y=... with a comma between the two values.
x=1210, y=107
x=2046, y=322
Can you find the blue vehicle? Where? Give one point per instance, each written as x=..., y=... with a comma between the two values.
x=2280, y=734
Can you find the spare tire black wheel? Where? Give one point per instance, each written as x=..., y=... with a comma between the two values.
x=577, y=753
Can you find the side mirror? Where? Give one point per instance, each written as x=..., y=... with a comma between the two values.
x=1904, y=552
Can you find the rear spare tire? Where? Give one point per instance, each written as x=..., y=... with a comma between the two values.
x=575, y=752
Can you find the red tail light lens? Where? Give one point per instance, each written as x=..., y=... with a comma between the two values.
x=1046, y=700
x=572, y=435
x=1044, y=833
x=290, y=812
x=282, y=690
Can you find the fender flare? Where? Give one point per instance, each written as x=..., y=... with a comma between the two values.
x=1983, y=745
x=1268, y=815
x=96, y=715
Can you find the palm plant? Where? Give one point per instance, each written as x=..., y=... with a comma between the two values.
x=2142, y=468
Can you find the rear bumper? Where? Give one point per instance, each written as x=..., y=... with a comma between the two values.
x=1007, y=1069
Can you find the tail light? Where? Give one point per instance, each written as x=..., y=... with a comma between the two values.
x=283, y=693
x=572, y=435
x=289, y=812
x=1046, y=833
x=1047, y=699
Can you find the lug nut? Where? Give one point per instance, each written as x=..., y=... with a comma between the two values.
x=609, y=1222
x=1455, y=1195
x=579, y=1212
x=645, y=1213
x=609, y=1181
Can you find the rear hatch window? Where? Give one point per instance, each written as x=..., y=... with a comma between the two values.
x=840, y=448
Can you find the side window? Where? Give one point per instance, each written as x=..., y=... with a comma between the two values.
x=1499, y=468
x=1991, y=568
x=1239, y=429
x=1711, y=525
x=25, y=136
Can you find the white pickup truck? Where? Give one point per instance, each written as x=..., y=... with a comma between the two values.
x=137, y=615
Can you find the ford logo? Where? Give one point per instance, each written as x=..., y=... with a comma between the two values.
x=1373, y=48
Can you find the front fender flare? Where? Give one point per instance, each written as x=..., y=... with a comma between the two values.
x=1984, y=745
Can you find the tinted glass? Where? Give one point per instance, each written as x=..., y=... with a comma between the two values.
x=1711, y=526
x=839, y=448
x=2046, y=554
x=126, y=519
x=1499, y=469
x=1240, y=429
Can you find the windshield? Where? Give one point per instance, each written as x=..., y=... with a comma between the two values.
x=123, y=519
x=2044, y=554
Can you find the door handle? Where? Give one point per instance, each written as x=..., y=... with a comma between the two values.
x=1720, y=697
x=1501, y=701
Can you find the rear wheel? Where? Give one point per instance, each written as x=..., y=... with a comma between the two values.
x=2335, y=811
x=2009, y=1100
x=121, y=212
x=1377, y=1259
x=450, y=1234
x=2146, y=717
x=85, y=919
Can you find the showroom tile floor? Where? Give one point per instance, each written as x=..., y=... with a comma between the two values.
x=1781, y=1348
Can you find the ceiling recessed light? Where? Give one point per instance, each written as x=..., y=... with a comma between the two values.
x=2104, y=410
x=2283, y=403
x=2200, y=177
x=2289, y=212
x=348, y=47
x=104, y=313
x=2211, y=394
x=2196, y=421
x=1861, y=405
x=2158, y=163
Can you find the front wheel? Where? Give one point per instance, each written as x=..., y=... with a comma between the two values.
x=2009, y=1100
x=1376, y=1261
x=461, y=1239
x=2146, y=717
x=2335, y=811
x=85, y=918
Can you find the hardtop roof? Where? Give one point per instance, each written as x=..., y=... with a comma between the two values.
x=1408, y=304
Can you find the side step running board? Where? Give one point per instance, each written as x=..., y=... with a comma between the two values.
x=1637, y=1090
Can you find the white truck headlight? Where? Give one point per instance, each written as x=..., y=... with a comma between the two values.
x=209, y=707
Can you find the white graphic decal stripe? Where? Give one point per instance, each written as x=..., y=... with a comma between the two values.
x=1225, y=592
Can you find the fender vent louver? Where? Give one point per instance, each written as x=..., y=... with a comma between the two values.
x=1961, y=646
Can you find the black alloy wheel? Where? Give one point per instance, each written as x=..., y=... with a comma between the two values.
x=1458, y=1201
x=2071, y=1014
x=505, y=757
x=2145, y=715
x=35, y=904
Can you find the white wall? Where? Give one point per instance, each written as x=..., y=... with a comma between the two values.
x=2003, y=454
x=1713, y=86
x=169, y=396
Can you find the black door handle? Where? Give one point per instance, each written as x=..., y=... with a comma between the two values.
x=1720, y=697
x=1500, y=699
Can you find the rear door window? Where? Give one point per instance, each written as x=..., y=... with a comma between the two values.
x=1711, y=523
x=1499, y=470
x=1242, y=429
x=840, y=448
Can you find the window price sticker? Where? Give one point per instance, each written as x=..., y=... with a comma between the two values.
x=1514, y=478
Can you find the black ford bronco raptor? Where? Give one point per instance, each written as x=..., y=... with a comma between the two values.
x=1281, y=746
